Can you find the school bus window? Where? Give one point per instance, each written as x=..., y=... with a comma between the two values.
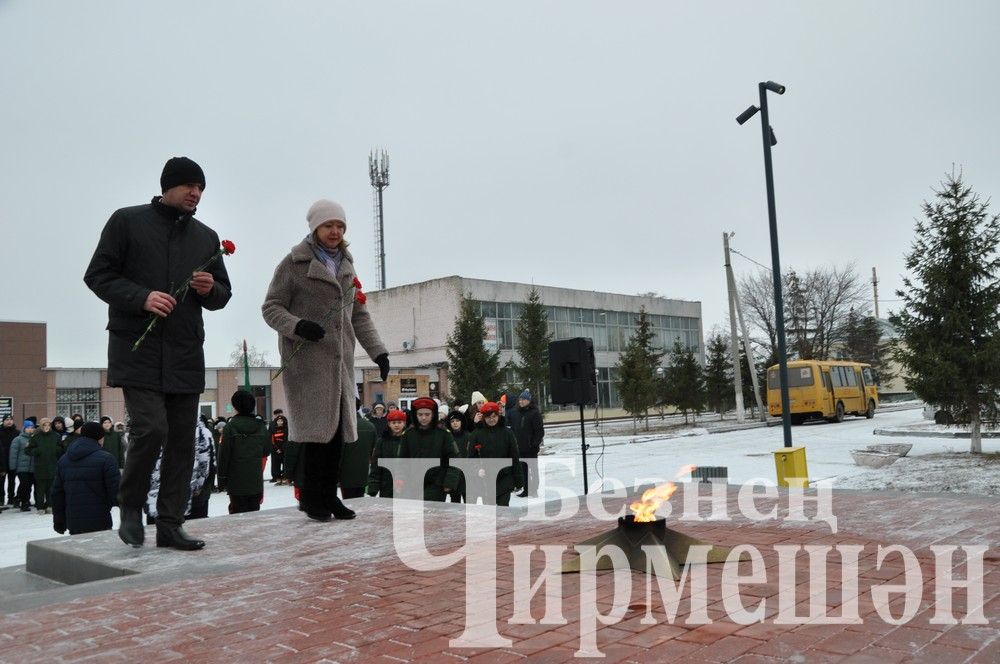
x=800, y=377
x=869, y=376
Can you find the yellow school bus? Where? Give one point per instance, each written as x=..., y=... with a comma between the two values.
x=828, y=389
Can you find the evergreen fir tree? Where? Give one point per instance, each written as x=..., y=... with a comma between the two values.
x=686, y=379
x=949, y=326
x=532, y=336
x=470, y=366
x=863, y=342
x=718, y=375
x=637, y=384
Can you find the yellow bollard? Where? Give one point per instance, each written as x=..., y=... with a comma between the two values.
x=790, y=462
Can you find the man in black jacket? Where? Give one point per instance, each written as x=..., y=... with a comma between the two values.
x=530, y=431
x=145, y=257
x=8, y=432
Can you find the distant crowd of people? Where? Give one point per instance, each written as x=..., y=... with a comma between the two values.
x=74, y=467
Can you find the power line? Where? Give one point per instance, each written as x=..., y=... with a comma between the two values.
x=735, y=251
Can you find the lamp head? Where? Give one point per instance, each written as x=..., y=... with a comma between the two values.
x=775, y=87
x=746, y=115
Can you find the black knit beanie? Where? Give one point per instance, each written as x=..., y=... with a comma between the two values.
x=181, y=170
x=92, y=430
x=244, y=402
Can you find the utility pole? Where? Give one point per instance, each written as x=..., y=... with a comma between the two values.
x=746, y=348
x=875, y=288
x=734, y=349
x=378, y=173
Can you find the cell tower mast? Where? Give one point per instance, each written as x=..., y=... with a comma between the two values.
x=378, y=173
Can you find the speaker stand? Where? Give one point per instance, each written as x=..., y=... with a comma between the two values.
x=583, y=450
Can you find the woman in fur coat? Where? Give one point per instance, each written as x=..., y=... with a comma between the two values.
x=316, y=305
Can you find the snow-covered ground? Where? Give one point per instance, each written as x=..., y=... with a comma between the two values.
x=933, y=464
x=616, y=458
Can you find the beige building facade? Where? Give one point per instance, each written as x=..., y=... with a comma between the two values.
x=414, y=321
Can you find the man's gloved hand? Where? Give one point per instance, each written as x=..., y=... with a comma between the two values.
x=383, y=365
x=309, y=330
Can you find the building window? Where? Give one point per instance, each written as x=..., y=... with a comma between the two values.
x=86, y=401
x=610, y=330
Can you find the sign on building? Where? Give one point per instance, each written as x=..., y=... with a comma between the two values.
x=6, y=407
x=490, y=340
x=407, y=387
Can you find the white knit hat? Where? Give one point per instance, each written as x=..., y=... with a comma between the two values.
x=323, y=211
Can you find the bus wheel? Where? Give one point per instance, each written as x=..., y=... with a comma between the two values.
x=839, y=415
x=870, y=413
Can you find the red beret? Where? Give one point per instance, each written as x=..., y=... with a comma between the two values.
x=424, y=402
x=396, y=416
x=489, y=407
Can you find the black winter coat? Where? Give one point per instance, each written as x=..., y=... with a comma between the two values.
x=245, y=442
x=84, y=489
x=142, y=249
x=7, y=436
x=529, y=431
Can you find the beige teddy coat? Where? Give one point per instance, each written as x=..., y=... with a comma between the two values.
x=319, y=379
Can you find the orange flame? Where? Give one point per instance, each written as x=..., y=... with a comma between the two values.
x=645, y=509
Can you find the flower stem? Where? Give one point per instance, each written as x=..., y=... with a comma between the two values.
x=302, y=342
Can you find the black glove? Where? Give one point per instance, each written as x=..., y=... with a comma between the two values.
x=309, y=330
x=383, y=365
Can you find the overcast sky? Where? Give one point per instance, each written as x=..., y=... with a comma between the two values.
x=578, y=144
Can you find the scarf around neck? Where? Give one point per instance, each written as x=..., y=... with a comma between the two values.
x=331, y=259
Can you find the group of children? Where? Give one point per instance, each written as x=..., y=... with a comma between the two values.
x=420, y=437
x=81, y=475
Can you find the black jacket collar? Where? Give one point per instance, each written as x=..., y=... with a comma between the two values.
x=169, y=212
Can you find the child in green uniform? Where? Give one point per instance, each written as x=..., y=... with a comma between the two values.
x=494, y=441
x=389, y=446
x=45, y=447
x=425, y=440
x=112, y=441
x=354, y=460
x=456, y=425
x=244, y=444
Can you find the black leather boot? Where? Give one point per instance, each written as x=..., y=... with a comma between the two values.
x=336, y=506
x=175, y=537
x=131, y=531
x=311, y=502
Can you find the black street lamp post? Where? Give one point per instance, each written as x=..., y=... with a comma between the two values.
x=779, y=311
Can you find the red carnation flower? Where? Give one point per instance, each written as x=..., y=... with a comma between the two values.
x=228, y=247
x=360, y=297
x=357, y=284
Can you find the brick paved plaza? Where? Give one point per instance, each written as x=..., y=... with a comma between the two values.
x=274, y=586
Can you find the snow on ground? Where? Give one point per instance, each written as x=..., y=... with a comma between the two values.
x=618, y=458
x=628, y=459
x=17, y=528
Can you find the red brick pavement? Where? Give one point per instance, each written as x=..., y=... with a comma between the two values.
x=337, y=592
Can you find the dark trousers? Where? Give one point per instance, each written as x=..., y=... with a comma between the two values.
x=199, y=503
x=238, y=504
x=530, y=478
x=159, y=421
x=321, y=468
x=24, y=482
x=11, y=478
x=43, y=488
x=352, y=492
x=276, y=459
